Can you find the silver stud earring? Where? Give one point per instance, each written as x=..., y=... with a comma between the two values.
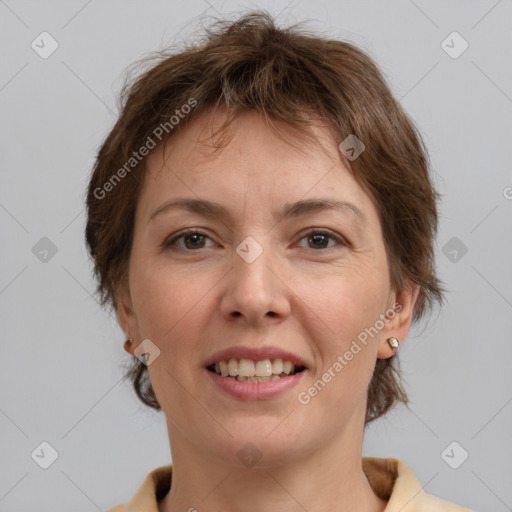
x=393, y=342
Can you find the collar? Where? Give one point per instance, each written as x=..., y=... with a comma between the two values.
x=391, y=479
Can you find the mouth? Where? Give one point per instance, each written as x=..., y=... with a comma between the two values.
x=249, y=370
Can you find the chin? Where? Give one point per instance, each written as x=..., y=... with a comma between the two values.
x=259, y=444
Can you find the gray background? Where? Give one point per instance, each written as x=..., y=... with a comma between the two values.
x=60, y=373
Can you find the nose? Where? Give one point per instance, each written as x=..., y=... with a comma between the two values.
x=255, y=291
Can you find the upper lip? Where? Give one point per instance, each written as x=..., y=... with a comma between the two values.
x=256, y=354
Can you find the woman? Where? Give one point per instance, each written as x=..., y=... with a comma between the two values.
x=261, y=218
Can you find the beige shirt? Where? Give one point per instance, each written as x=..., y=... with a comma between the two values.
x=391, y=479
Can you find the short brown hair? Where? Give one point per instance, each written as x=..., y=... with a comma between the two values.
x=290, y=75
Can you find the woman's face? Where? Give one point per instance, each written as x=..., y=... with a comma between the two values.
x=263, y=275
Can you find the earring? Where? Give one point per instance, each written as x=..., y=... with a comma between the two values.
x=393, y=343
x=129, y=341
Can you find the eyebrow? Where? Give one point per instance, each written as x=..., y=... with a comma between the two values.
x=212, y=209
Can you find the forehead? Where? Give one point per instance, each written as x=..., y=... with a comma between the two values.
x=205, y=141
x=252, y=160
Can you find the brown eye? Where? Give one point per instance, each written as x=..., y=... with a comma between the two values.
x=192, y=240
x=322, y=239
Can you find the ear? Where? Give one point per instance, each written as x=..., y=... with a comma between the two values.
x=127, y=319
x=399, y=318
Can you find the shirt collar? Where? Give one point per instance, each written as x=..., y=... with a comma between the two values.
x=391, y=479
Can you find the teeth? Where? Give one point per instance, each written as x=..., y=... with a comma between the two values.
x=232, y=368
x=258, y=379
x=277, y=366
x=223, y=368
x=287, y=367
x=264, y=368
x=250, y=371
x=245, y=368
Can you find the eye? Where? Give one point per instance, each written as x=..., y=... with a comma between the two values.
x=191, y=240
x=320, y=239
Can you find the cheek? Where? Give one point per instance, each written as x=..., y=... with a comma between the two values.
x=347, y=305
x=163, y=298
x=345, y=363
x=173, y=311
x=167, y=305
x=344, y=308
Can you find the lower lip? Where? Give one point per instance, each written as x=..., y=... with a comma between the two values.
x=255, y=390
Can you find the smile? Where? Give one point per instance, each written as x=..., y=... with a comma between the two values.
x=247, y=370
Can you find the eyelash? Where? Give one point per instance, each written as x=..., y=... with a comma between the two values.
x=170, y=244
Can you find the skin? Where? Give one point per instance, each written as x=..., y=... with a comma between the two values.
x=309, y=296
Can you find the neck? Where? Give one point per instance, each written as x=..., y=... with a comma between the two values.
x=328, y=478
